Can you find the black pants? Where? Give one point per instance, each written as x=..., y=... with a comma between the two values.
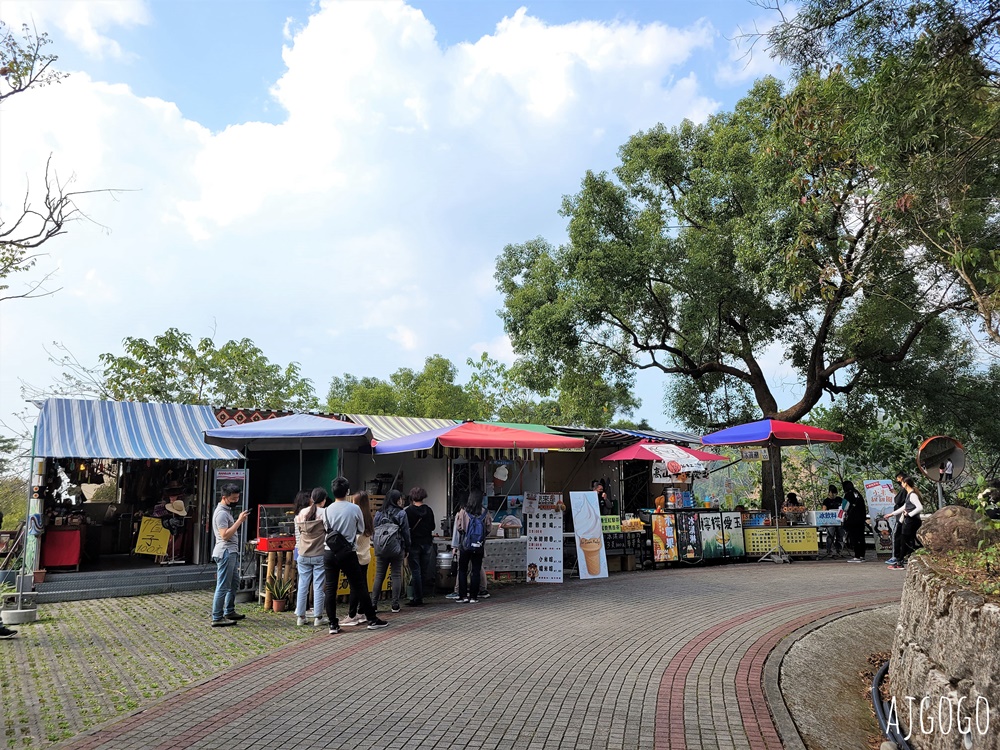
x=908, y=543
x=897, y=540
x=355, y=578
x=856, y=538
x=469, y=558
x=423, y=559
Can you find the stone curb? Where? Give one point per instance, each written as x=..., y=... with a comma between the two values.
x=783, y=720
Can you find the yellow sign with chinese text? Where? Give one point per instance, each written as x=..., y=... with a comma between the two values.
x=153, y=538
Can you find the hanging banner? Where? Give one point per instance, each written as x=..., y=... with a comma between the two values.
x=153, y=537
x=753, y=454
x=879, y=493
x=676, y=460
x=543, y=526
x=590, y=553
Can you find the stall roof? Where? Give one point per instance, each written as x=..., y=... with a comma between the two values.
x=302, y=431
x=390, y=428
x=598, y=437
x=77, y=428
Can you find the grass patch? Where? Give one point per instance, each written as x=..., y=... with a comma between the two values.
x=85, y=663
x=978, y=570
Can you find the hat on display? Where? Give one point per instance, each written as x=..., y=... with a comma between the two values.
x=176, y=507
x=174, y=488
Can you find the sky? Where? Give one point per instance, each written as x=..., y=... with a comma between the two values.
x=332, y=180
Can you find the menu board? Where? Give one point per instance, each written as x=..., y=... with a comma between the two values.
x=543, y=527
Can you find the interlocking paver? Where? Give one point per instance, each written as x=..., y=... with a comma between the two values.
x=655, y=659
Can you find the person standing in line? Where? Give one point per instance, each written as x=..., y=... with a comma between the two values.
x=423, y=555
x=391, y=513
x=949, y=470
x=364, y=547
x=343, y=522
x=909, y=516
x=474, y=524
x=309, y=535
x=456, y=548
x=854, y=521
x=225, y=554
x=834, y=534
x=897, y=526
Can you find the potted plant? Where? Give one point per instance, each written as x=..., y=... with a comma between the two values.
x=40, y=576
x=279, y=589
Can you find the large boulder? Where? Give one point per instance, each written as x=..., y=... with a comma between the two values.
x=956, y=528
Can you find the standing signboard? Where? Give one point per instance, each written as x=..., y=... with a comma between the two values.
x=543, y=527
x=664, y=540
x=879, y=493
x=590, y=554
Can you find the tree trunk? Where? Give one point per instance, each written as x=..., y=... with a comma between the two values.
x=772, y=486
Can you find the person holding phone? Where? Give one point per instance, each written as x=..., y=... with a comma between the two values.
x=225, y=554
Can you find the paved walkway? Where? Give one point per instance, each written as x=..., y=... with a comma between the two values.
x=653, y=660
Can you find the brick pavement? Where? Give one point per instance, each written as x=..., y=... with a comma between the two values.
x=645, y=661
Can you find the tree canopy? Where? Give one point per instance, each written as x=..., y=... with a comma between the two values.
x=922, y=114
x=173, y=369
x=714, y=247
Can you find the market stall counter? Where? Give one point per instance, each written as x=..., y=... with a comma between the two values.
x=796, y=537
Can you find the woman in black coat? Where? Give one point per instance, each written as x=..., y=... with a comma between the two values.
x=854, y=521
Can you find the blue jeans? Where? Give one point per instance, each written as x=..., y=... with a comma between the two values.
x=226, y=583
x=423, y=558
x=310, y=568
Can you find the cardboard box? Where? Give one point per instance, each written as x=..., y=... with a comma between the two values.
x=628, y=562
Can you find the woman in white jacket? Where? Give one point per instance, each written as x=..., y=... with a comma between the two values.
x=310, y=534
x=364, y=551
x=909, y=517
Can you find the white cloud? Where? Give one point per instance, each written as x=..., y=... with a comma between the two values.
x=83, y=23
x=358, y=234
x=748, y=56
x=500, y=348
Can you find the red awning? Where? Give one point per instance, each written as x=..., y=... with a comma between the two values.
x=638, y=452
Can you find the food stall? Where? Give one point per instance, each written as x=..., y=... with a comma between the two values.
x=100, y=472
x=785, y=540
x=476, y=443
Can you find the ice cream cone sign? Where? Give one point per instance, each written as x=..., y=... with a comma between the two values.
x=591, y=555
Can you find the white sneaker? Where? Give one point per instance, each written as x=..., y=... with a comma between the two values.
x=300, y=621
x=356, y=620
x=319, y=621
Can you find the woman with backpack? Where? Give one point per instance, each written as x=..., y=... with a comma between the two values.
x=473, y=524
x=364, y=551
x=854, y=521
x=391, y=542
x=309, y=536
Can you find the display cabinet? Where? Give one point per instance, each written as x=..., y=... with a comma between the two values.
x=275, y=528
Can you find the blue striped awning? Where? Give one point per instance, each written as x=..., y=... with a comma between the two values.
x=389, y=428
x=74, y=428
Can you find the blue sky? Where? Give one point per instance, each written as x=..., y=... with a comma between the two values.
x=333, y=180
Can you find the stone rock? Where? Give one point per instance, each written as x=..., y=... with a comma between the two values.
x=956, y=528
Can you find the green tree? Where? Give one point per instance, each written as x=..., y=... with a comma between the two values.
x=717, y=245
x=432, y=392
x=173, y=369
x=497, y=394
x=921, y=110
